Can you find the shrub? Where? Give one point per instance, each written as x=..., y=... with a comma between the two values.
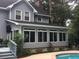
x=20, y=50
x=19, y=42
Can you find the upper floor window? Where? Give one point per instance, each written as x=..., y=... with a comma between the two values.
x=39, y=19
x=26, y=15
x=18, y=14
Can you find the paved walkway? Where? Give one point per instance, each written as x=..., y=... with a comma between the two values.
x=51, y=55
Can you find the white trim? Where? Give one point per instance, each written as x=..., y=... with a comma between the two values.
x=15, y=14
x=13, y=22
x=41, y=31
x=44, y=15
x=42, y=25
x=10, y=6
x=57, y=31
x=28, y=30
x=3, y=8
x=10, y=14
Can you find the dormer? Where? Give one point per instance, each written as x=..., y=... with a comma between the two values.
x=40, y=18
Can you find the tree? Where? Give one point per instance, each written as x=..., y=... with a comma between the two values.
x=59, y=11
x=74, y=28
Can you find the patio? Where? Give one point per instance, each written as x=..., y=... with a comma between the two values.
x=51, y=55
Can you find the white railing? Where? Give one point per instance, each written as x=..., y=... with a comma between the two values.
x=13, y=46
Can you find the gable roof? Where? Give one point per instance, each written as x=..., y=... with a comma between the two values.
x=5, y=3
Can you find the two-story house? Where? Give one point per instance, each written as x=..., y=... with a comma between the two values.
x=32, y=22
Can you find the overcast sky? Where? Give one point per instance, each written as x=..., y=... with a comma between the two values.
x=28, y=0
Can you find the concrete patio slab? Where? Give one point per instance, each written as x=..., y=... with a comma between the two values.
x=51, y=55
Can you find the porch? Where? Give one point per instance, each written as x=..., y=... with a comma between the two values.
x=8, y=51
x=38, y=35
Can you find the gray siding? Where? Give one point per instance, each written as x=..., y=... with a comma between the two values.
x=24, y=8
x=38, y=45
x=3, y=17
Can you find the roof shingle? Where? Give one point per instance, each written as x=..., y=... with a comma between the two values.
x=5, y=3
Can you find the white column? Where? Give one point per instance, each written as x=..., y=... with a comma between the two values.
x=57, y=36
x=66, y=36
x=20, y=31
x=36, y=35
x=12, y=34
x=48, y=39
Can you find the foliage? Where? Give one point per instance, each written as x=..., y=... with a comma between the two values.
x=74, y=28
x=60, y=11
x=20, y=50
x=5, y=42
x=19, y=42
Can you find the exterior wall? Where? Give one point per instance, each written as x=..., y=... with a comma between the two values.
x=3, y=16
x=24, y=8
x=43, y=20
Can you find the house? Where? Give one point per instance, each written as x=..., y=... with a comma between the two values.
x=30, y=21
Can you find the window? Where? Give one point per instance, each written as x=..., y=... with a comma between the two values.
x=32, y=36
x=39, y=19
x=42, y=36
x=26, y=36
x=39, y=36
x=45, y=36
x=53, y=36
x=18, y=14
x=62, y=36
x=29, y=36
x=26, y=15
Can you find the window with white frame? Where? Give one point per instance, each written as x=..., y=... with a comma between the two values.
x=29, y=36
x=53, y=36
x=26, y=15
x=18, y=14
x=62, y=36
x=39, y=19
x=42, y=36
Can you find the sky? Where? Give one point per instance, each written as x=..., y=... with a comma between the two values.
x=28, y=0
